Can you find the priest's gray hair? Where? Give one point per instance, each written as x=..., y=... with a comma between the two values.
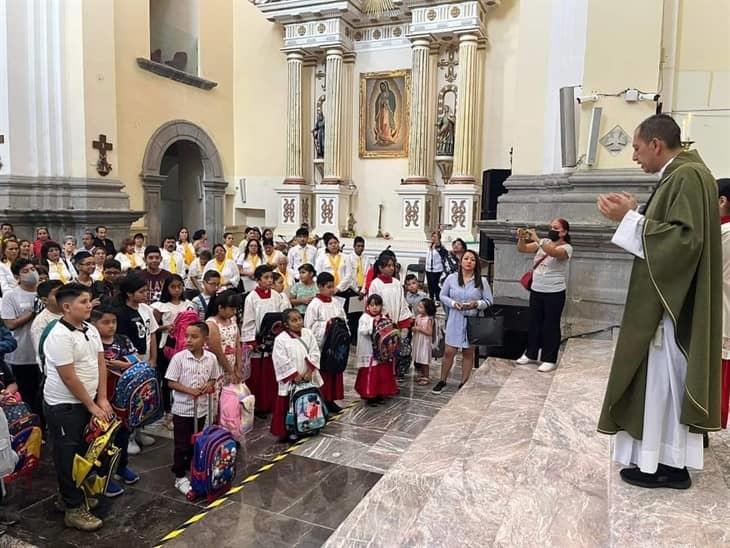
x=662, y=127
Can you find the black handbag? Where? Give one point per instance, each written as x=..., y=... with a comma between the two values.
x=486, y=329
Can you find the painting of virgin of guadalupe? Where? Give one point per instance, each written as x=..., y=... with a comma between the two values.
x=384, y=111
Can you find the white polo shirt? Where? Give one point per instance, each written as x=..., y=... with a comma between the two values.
x=66, y=345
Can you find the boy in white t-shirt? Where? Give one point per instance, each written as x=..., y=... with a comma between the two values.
x=75, y=389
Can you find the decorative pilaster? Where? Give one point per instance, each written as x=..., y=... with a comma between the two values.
x=333, y=118
x=294, y=161
x=419, y=161
x=465, y=145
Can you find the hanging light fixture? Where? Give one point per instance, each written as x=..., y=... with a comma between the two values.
x=377, y=7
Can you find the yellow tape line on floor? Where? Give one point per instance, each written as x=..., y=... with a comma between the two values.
x=248, y=479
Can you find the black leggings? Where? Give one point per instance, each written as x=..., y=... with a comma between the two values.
x=434, y=289
x=546, y=310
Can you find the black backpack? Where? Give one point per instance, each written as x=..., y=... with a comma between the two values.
x=271, y=326
x=336, y=347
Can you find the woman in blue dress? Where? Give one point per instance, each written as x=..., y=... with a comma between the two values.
x=463, y=294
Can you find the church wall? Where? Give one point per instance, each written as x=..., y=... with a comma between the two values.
x=702, y=79
x=145, y=101
x=376, y=179
x=260, y=76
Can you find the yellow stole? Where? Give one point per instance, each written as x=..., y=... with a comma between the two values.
x=173, y=264
x=188, y=253
x=132, y=259
x=360, y=272
x=335, y=267
x=58, y=267
x=219, y=268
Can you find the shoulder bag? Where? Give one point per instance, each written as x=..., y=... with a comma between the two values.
x=526, y=279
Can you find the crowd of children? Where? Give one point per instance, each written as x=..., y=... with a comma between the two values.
x=252, y=315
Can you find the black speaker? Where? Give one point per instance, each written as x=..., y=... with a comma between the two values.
x=492, y=188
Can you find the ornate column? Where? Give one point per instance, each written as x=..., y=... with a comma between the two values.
x=419, y=132
x=333, y=118
x=465, y=142
x=461, y=196
x=294, y=162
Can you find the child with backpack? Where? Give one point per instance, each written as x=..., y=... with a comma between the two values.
x=166, y=311
x=422, y=346
x=117, y=348
x=224, y=339
x=258, y=333
x=296, y=359
x=191, y=375
x=375, y=377
x=320, y=312
x=211, y=285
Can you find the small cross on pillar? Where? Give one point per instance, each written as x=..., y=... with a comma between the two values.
x=103, y=167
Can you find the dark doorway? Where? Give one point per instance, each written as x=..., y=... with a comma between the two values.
x=181, y=195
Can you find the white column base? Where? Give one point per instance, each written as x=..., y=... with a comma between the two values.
x=331, y=207
x=418, y=209
x=461, y=208
x=295, y=206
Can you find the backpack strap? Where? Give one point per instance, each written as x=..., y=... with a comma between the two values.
x=42, y=342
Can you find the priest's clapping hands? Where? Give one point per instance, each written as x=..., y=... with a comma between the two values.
x=616, y=205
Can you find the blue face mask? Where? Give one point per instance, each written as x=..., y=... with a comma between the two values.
x=30, y=278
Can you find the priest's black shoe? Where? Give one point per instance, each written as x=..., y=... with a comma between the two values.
x=665, y=476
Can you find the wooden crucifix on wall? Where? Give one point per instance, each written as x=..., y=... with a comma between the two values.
x=103, y=167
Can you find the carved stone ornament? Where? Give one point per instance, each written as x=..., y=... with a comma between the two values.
x=288, y=210
x=449, y=62
x=615, y=140
x=411, y=211
x=458, y=213
x=327, y=211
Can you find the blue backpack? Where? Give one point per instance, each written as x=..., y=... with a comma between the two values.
x=307, y=412
x=214, y=463
x=137, y=396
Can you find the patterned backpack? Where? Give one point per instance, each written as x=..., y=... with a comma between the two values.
x=176, y=336
x=24, y=428
x=235, y=410
x=307, y=412
x=385, y=339
x=214, y=463
x=97, y=466
x=137, y=398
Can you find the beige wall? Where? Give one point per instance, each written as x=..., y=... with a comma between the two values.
x=702, y=79
x=145, y=101
x=616, y=61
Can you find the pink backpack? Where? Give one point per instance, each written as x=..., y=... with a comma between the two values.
x=236, y=410
x=176, y=336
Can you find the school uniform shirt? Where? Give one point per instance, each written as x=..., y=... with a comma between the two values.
x=338, y=266
x=191, y=372
x=139, y=325
x=169, y=312
x=228, y=271
x=248, y=265
x=258, y=304
x=38, y=326
x=201, y=302
x=15, y=303
x=59, y=271
x=67, y=346
x=294, y=355
x=173, y=263
x=299, y=255
x=358, y=267
x=394, y=301
x=319, y=312
x=129, y=261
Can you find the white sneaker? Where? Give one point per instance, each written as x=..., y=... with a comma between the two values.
x=132, y=447
x=143, y=439
x=524, y=360
x=546, y=367
x=183, y=485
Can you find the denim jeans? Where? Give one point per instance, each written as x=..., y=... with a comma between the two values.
x=66, y=423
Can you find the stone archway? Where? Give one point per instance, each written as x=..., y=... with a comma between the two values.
x=213, y=184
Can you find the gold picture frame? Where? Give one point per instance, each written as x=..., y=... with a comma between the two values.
x=385, y=109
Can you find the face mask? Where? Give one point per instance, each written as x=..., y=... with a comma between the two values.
x=30, y=278
x=553, y=235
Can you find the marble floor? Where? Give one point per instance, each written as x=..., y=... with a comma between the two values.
x=300, y=501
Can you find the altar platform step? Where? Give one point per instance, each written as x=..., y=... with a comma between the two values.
x=514, y=459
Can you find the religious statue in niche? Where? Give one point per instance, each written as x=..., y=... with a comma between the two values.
x=318, y=134
x=445, y=133
x=384, y=112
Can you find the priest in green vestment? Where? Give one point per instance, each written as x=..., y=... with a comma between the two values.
x=663, y=392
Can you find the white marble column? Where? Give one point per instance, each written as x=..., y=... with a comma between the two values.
x=333, y=118
x=465, y=141
x=294, y=160
x=419, y=132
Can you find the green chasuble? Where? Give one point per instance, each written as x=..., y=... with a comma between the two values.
x=682, y=276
